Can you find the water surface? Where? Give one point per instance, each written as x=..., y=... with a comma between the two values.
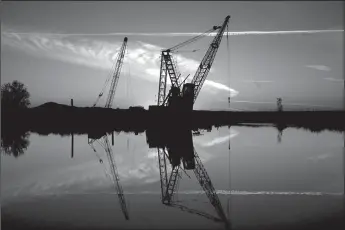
x=260, y=180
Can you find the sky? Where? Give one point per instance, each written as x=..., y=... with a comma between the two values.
x=64, y=50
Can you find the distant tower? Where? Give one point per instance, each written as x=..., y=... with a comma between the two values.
x=229, y=102
x=279, y=105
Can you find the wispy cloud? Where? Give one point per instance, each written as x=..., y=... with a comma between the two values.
x=334, y=79
x=238, y=33
x=219, y=86
x=220, y=140
x=257, y=81
x=142, y=57
x=319, y=67
x=321, y=157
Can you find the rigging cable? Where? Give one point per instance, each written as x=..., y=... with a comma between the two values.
x=228, y=69
x=106, y=81
x=128, y=96
x=228, y=64
x=192, y=39
x=229, y=198
x=107, y=174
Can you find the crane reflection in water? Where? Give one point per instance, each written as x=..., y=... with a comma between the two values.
x=176, y=145
x=177, y=153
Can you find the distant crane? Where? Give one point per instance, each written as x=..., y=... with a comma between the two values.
x=105, y=142
x=186, y=98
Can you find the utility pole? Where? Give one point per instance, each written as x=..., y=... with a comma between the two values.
x=72, y=144
x=112, y=138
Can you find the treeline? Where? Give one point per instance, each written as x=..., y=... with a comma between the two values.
x=63, y=119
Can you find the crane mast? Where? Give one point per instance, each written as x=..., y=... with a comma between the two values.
x=162, y=82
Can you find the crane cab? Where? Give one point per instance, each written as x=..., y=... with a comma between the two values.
x=188, y=96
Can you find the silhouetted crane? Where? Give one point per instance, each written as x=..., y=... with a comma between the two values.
x=186, y=98
x=169, y=67
x=104, y=138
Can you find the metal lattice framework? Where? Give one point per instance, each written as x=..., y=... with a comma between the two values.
x=206, y=184
x=162, y=171
x=171, y=186
x=171, y=68
x=116, y=75
x=162, y=82
x=206, y=63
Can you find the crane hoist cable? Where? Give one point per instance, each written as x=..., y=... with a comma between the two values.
x=228, y=64
x=110, y=74
x=107, y=174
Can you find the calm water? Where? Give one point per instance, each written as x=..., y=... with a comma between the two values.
x=272, y=183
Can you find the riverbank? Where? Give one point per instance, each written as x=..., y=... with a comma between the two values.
x=57, y=118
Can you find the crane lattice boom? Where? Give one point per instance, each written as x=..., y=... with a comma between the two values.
x=206, y=63
x=116, y=74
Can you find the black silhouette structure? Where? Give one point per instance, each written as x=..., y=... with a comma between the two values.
x=179, y=102
x=279, y=105
x=14, y=98
x=175, y=149
x=14, y=143
x=183, y=98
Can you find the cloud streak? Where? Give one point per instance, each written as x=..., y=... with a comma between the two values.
x=239, y=33
x=319, y=67
x=220, y=140
x=257, y=81
x=334, y=79
x=143, y=58
x=268, y=102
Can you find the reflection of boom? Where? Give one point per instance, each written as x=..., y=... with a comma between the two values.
x=197, y=212
x=205, y=182
x=171, y=186
x=115, y=176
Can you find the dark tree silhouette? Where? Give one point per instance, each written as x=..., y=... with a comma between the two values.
x=14, y=100
x=14, y=96
x=14, y=143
